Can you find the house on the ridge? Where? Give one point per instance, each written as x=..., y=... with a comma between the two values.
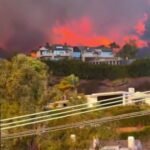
x=94, y=55
x=54, y=52
x=77, y=53
x=98, y=55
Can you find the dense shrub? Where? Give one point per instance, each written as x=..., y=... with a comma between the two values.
x=86, y=70
x=139, y=68
x=100, y=71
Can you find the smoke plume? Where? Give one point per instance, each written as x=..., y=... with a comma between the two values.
x=27, y=24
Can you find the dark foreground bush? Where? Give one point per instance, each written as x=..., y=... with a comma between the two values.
x=83, y=70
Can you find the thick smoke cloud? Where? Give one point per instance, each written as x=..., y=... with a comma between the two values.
x=146, y=34
x=26, y=24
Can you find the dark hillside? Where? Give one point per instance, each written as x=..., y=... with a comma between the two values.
x=94, y=86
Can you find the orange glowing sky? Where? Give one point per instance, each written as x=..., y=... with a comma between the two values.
x=81, y=32
x=78, y=32
x=30, y=24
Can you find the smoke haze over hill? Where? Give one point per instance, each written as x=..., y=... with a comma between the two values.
x=27, y=24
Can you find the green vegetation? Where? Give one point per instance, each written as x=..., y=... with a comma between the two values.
x=23, y=85
x=139, y=68
x=24, y=89
x=102, y=71
x=129, y=50
x=66, y=89
x=108, y=131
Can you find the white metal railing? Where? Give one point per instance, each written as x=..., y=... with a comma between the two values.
x=24, y=120
x=55, y=116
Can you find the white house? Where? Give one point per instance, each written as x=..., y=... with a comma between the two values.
x=94, y=55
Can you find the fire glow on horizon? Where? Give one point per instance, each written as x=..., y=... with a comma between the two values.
x=81, y=32
x=27, y=25
x=78, y=32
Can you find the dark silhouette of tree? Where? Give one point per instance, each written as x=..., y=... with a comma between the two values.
x=129, y=50
x=114, y=45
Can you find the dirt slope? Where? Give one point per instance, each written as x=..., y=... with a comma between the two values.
x=94, y=86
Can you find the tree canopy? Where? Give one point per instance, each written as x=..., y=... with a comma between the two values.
x=129, y=50
x=114, y=45
x=24, y=89
x=23, y=82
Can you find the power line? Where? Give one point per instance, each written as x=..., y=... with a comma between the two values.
x=60, y=117
x=59, y=109
x=60, y=113
x=76, y=125
x=38, y=117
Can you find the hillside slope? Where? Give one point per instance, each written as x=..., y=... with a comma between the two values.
x=94, y=86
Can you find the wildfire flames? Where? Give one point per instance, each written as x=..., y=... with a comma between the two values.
x=75, y=22
x=81, y=32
